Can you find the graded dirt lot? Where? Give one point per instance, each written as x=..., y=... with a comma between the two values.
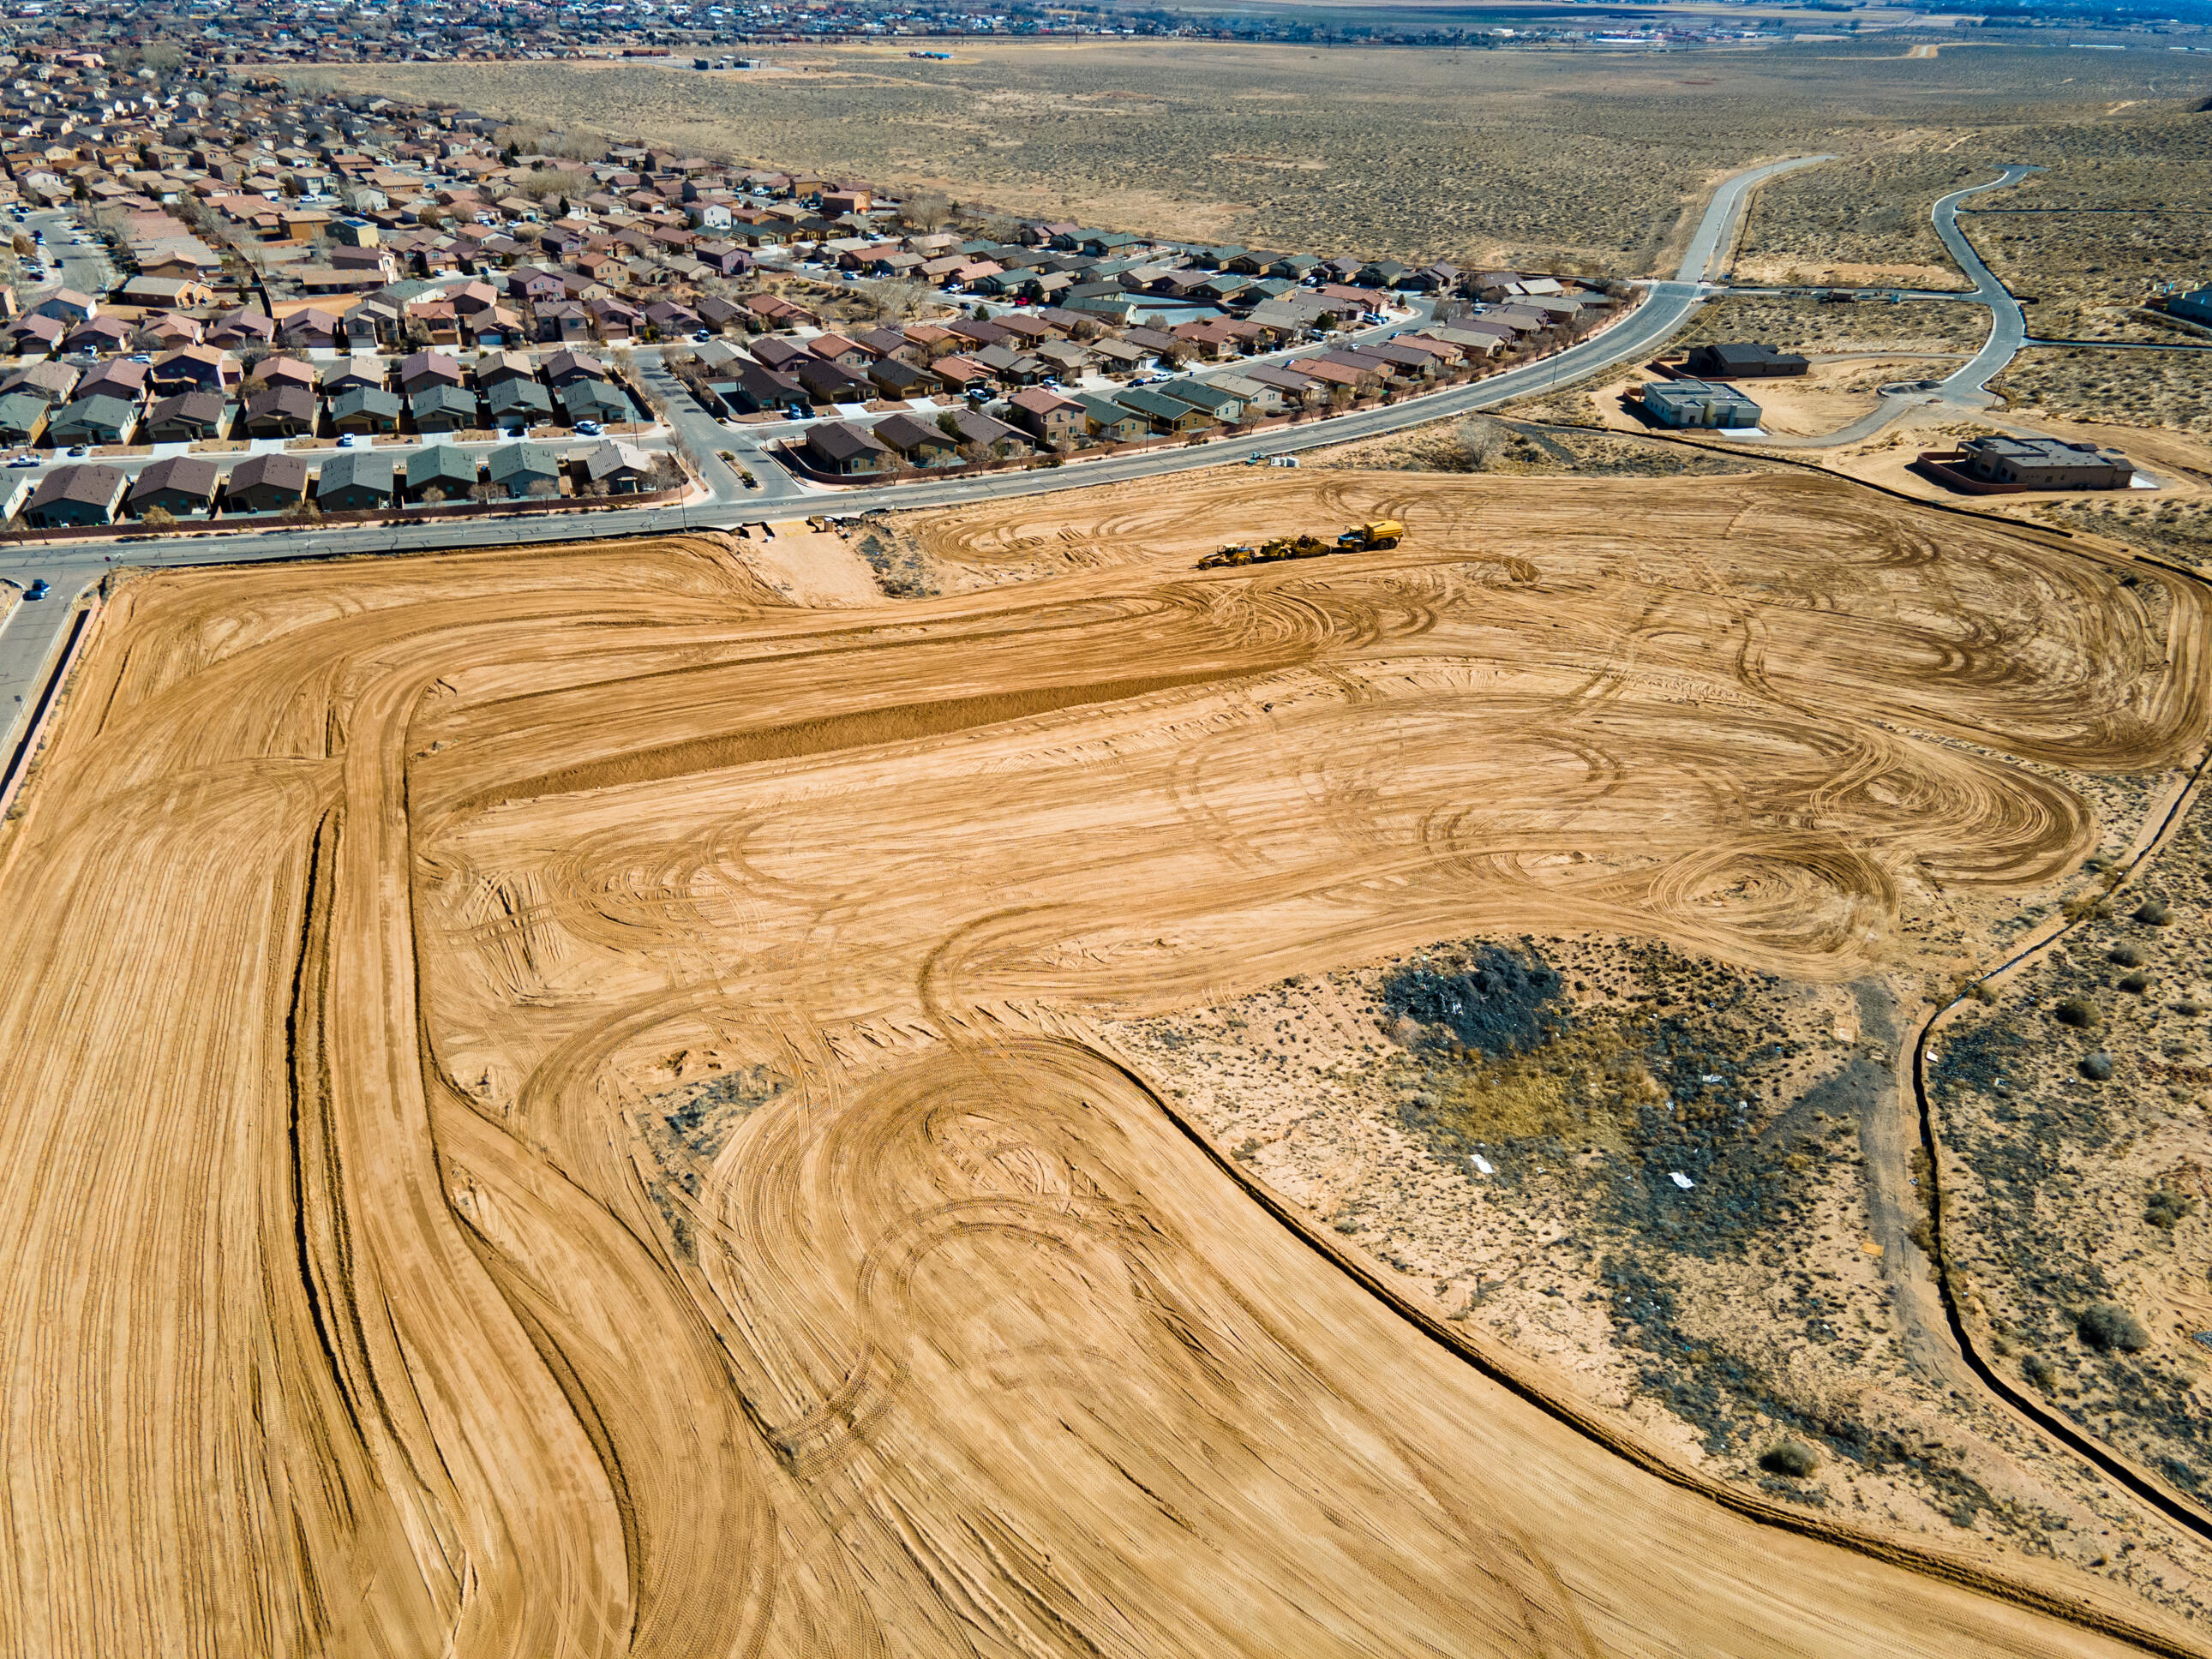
x=559, y=1103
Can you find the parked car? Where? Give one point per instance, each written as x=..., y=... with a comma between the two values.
x=345, y=440
x=37, y=590
x=587, y=429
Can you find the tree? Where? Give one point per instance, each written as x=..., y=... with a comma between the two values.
x=158, y=518
x=925, y=212
x=485, y=492
x=948, y=422
x=302, y=510
x=893, y=301
x=432, y=496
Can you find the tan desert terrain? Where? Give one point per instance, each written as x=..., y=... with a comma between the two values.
x=560, y=1104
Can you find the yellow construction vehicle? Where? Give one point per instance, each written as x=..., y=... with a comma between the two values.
x=1376, y=532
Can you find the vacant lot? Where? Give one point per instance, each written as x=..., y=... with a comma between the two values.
x=597, y=1137
x=1481, y=156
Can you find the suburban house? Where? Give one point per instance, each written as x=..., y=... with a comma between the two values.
x=919, y=442
x=439, y=473
x=1169, y=414
x=425, y=369
x=67, y=308
x=843, y=448
x=178, y=485
x=524, y=469
x=365, y=409
x=519, y=403
x=594, y=400
x=95, y=420
x=1109, y=422
x=280, y=411
x=23, y=417
x=1055, y=420
x=72, y=496
x=564, y=367
x=266, y=483
x=195, y=369
x=355, y=481
x=186, y=417
x=619, y=468
x=443, y=409
x=54, y=383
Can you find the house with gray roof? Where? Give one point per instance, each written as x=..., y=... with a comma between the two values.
x=365, y=409
x=95, y=420
x=524, y=469
x=355, y=481
x=444, y=409
x=442, y=468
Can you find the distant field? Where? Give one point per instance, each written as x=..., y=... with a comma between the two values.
x=1545, y=159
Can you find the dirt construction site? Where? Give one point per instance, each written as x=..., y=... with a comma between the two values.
x=562, y=1102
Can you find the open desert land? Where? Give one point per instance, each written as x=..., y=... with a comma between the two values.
x=560, y=1102
x=1591, y=163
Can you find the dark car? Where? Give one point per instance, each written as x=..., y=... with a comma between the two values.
x=37, y=590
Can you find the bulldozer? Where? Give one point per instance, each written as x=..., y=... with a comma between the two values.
x=1376, y=532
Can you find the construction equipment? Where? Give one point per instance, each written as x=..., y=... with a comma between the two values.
x=1376, y=532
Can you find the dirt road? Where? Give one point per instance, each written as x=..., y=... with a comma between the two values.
x=551, y=1107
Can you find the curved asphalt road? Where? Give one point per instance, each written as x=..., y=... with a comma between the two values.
x=1964, y=387
x=29, y=640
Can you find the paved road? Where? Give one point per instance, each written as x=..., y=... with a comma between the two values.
x=33, y=636
x=85, y=269
x=2008, y=327
x=1966, y=387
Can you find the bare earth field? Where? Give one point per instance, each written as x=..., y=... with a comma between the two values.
x=1482, y=156
x=560, y=1104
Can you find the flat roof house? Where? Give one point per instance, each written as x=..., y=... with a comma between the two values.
x=1743, y=360
x=1698, y=403
x=2046, y=464
x=180, y=485
x=69, y=496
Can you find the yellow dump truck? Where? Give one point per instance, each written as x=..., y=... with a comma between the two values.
x=1376, y=532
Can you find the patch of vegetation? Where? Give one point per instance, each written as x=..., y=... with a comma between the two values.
x=2106, y=1327
x=1793, y=1458
x=900, y=570
x=1491, y=997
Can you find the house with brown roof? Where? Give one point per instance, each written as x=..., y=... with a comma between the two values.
x=266, y=483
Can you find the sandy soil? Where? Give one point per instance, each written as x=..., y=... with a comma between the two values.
x=557, y=1101
x=816, y=568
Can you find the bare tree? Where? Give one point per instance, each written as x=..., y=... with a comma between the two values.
x=925, y=212
x=893, y=301
x=158, y=518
